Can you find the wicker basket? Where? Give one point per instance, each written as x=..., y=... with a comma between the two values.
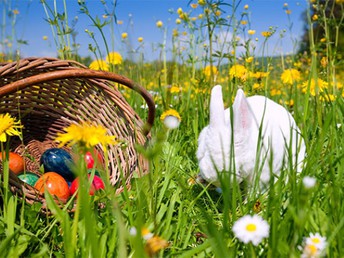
x=49, y=94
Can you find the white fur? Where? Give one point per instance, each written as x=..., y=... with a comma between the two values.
x=279, y=133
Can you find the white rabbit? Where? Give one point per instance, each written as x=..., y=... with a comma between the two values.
x=279, y=132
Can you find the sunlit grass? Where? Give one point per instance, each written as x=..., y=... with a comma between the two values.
x=166, y=213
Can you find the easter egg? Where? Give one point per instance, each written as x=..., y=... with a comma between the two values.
x=55, y=185
x=16, y=162
x=59, y=161
x=29, y=178
x=96, y=172
x=90, y=159
x=97, y=184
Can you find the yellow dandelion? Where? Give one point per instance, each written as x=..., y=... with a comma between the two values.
x=154, y=245
x=45, y=37
x=324, y=61
x=327, y=98
x=275, y=92
x=179, y=10
x=85, y=134
x=246, y=6
x=288, y=11
x=338, y=85
x=251, y=32
x=178, y=21
x=200, y=16
x=174, y=89
x=140, y=39
x=194, y=6
x=124, y=35
x=289, y=103
x=99, y=65
x=175, y=33
x=15, y=11
x=315, y=86
x=9, y=126
x=238, y=71
x=184, y=16
x=243, y=22
x=210, y=69
x=298, y=64
x=259, y=75
x=119, y=22
x=266, y=34
x=201, y=2
x=170, y=112
x=323, y=40
x=159, y=24
x=290, y=76
x=315, y=17
x=114, y=58
x=218, y=13
x=171, y=118
x=249, y=59
x=257, y=86
x=191, y=181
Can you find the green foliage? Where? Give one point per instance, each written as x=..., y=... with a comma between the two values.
x=194, y=219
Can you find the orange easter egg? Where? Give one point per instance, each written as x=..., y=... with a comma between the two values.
x=16, y=162
x=55, y=185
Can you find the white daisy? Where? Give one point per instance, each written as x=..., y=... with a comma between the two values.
x=317, y=240
x=133, y=231
x=309, y=182
x=314, y=245
x=251, y=229
x=310, y=251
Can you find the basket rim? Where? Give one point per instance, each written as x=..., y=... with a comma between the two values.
x=89, y=74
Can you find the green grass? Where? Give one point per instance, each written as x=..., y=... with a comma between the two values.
x=195, y=219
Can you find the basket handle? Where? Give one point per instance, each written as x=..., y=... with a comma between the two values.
x=85, y=73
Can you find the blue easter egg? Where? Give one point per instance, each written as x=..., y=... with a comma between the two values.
x=59, y=161
x=29, y=178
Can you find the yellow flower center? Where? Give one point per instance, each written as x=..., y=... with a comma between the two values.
x=5, y=125
x=312, y=250
x=316, y=240
x=251, y=227
x=8, y=126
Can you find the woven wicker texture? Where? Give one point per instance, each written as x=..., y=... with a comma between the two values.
x=49, y=94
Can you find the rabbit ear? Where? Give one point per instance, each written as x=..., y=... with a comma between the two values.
x=217, y=110
x=242, y=115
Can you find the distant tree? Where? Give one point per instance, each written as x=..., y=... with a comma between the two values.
x=327, y=20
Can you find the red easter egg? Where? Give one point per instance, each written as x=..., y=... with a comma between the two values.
x=89, y=158
x=15, y=162
x=97, y=184
x=55, y=184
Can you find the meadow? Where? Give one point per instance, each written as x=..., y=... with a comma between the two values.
x=167, y=213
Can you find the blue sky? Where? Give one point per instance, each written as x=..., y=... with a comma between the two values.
x=139, y=20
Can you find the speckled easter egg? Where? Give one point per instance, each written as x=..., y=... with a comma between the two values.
x=55, y=185
x=29, y=178
x=59, y=161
